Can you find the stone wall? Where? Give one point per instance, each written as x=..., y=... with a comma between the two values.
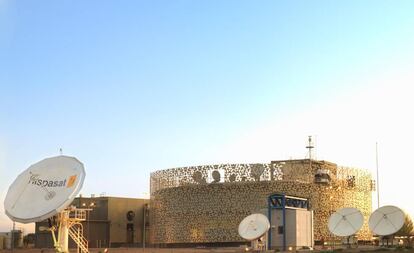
x=202, y=212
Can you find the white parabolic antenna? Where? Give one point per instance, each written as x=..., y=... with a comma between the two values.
x=346, y=221
x=386, y=220
x=254, y=226
x=44, y=189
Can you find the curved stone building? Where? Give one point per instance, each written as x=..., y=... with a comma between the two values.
x=205, y=204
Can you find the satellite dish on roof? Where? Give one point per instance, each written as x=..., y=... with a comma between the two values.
x=254, y=226
x=345, y=222
x=44, y=189
x=386, y=220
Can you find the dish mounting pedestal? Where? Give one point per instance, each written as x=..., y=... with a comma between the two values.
x=70, y=225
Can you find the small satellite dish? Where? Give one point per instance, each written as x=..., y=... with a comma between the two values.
x=346, y=221
x=254, y=226
x=44, y=189
x=386, y=220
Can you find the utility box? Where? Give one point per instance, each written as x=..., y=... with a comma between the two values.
x=297, y=229
x=291, y=223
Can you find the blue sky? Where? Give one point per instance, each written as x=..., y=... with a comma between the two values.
x=134, y=86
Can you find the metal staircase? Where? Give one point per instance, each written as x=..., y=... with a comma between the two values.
x=76, y=233
x=69, y=225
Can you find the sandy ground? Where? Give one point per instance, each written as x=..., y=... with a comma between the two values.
x=137, y=250
x=363, y=249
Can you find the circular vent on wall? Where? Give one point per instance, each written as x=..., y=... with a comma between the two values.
x=130, y=215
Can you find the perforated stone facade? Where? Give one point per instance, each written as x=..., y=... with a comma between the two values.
x=205, y=204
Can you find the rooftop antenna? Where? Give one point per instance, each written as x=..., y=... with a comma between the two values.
x=310, y=147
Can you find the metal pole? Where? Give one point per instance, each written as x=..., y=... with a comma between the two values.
x=89, y=216
x=284, y=221
x=12, y=237
x=143, y=229
x=269, y=216
x=376, y=158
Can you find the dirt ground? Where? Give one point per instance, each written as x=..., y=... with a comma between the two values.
x=216, y=250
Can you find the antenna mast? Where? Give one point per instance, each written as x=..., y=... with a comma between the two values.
x=310, y=147
x=376, y=160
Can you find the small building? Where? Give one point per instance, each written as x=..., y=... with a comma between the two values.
x=111, y=222
x=6, y=239
x=291, y=223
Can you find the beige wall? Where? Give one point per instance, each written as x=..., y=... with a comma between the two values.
x=106, y=223
x=117, y=210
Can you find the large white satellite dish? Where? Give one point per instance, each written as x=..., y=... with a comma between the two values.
x=254, y=226
x=386, y=220
x=346, y=221
x=44, y=189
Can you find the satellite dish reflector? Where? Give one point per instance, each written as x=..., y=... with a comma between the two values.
x=345, y=222
x=44, y=189
x=254, y=226
x=386, y=220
